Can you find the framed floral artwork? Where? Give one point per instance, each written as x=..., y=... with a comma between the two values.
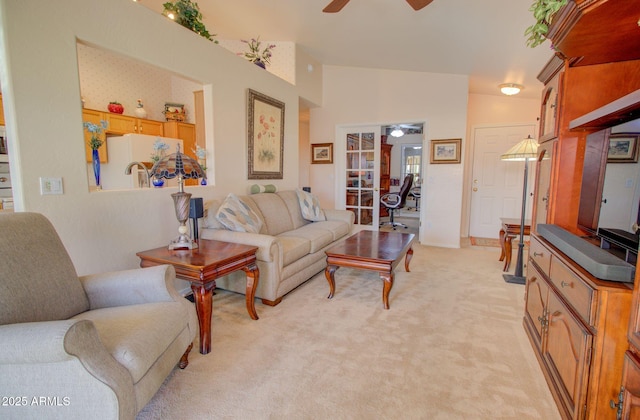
x=265, y=136
x=322, y=153
x=623, y=148
x=445, y=151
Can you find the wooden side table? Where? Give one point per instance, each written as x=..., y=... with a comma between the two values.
x=202, y=266
x=510, y=229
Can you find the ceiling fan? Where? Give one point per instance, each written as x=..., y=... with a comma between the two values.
x=337, y=5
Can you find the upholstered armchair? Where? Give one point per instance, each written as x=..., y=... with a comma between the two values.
x=96, y=346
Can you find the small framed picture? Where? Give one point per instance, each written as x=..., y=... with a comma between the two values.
x=446, y=151
x=623, y=148
x=322, y=153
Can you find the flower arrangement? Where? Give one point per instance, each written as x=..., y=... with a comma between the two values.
x=201, y=154
x=255, y=55
x=96, y=131
x=159, y=149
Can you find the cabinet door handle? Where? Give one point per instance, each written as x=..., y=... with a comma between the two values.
x=3, y=179
x=538, y=254
x=565, y=284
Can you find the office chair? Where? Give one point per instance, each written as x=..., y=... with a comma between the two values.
x=396, y=201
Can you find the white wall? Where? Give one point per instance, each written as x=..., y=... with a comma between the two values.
x=41, y=92
x=355, y=96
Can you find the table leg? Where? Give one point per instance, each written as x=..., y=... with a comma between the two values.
x=502, y=253
x=203, y=298
x=507, y=252
x=329, y=274
x=253, y=276
x=407, y=259
x=387, y=279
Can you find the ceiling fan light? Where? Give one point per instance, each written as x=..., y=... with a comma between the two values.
x=396, y=132
x=510, y=89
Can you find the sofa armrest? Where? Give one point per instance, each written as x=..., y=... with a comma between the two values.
x=340, y=215
x=131, y=287
x=269, y=247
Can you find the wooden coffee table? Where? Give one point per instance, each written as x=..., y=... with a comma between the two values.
x=374, y=251
x=202, y=266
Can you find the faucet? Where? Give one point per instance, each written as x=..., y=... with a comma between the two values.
x=144, y=182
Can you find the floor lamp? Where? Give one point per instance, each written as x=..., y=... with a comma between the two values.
x=523, y=151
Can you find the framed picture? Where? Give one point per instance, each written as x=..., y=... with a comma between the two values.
x=265, y=122
x=446, y=151
x=623, y=148
x=322, y=153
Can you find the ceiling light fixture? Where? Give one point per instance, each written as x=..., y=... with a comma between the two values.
x=510, y=89
x=397, y=132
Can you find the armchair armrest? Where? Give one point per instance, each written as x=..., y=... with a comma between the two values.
x=70, y=348
x=269, y=247
x=131, y=287
x=391, y=200
x=340, y=215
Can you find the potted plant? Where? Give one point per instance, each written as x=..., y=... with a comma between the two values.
x=187, y=14
x=543, y=11
x=257, y=56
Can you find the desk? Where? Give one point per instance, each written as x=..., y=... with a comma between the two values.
x=510, y=229
x=202, y=266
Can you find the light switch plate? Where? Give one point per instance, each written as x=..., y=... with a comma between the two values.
x=50, y=186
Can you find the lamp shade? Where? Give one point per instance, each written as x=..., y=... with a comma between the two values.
x=525, y=149
x=177, y=165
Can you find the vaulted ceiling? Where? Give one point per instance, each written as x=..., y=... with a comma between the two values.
x=480, y=38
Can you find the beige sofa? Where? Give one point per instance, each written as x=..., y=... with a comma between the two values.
x=290, y=248
x=96, y=346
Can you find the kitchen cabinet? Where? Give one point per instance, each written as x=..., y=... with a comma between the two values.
x=187, y=133
x=89, y=115
x=576, y=324
x=122, y=124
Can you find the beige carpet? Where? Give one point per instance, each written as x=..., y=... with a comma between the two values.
x=452, y=346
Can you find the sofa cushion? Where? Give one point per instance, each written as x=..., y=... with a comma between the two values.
x=133, y=335
x=337, y=228
x=236, y=215
x=318, y=238
x=275, y=214
x=310, y=206
x=293, y=248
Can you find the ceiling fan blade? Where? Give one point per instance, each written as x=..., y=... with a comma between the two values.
x=335, y=6
x=419, y=4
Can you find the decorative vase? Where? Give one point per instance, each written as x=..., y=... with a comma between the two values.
x=204, y=181
x=259, y=63
x=95, y=155
x=141, y=112
x=158, y=183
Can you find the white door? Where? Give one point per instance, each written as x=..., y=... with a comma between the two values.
x=496, y=186
x=358, y=176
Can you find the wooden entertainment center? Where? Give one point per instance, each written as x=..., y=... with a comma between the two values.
x=584, y=330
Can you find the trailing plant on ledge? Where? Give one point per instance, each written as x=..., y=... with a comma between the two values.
x=543, y=11
x=187, y=14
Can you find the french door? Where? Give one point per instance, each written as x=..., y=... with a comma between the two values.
x=359, y=173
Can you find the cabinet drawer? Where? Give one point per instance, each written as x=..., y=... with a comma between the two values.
x=540, y=254
x=575, y=291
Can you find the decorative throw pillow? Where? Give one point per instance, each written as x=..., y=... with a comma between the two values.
x=310, y=207
x=235, y=215
x=268, y=188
